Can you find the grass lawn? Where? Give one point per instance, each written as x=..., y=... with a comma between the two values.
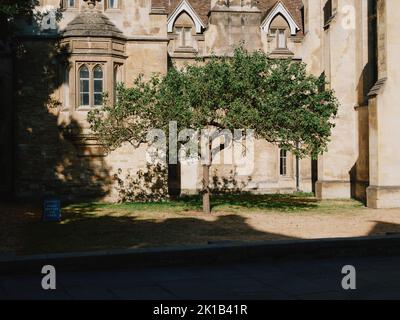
x=98, y=226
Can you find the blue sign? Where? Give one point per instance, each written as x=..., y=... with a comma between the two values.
x=51, y=209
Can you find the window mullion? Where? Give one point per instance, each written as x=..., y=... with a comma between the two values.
x=91, y=88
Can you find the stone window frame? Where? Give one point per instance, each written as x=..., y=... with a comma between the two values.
x=91, y=65
x=82, y=80
x=305, y=11
x=185, y=6
x=275, y=33
x=182, y=40
x=97, y=79
x=280, y=8
x=65, y=4
x=283, y=163
x=65, y=92
x=329, y=12
x=118, y=77
x=108, y=8
x=278, y=28
x=281, y=32
x=79, y=55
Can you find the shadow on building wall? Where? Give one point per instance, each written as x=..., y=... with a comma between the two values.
x=146, y=185
x=359, y=173
x=6, y=119
x=47, y=162
x=228, y=184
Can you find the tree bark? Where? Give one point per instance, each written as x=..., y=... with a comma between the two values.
x=206, y=189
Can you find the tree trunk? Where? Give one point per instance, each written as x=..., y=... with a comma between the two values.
x=206, y=179
x=206, y=189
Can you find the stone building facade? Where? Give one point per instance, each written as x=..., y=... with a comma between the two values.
x=82, y=48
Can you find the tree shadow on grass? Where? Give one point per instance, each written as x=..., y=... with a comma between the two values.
x=92, y=228
x=96, y=226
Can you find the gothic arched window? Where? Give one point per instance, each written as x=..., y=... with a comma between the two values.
x=84, y=86
x=117, y=79
x=112, y=4
x=280, y=29
x=283, y=162
x=280, y=10
x=65, y=85
x=185, y=28
x=97, y=86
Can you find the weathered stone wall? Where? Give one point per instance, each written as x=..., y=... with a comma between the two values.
x=264, y=171
x=48, y=160
x=229, y=27
x=384, y=118
x=333, y=49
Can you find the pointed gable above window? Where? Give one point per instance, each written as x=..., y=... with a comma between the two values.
x=184, y=6
x=279, y=8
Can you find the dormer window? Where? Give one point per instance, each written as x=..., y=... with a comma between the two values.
x=281, y=38
x=185, y=9
x=184, y=28
x=69, y=4
x=280, y=30
x=184, y=37
x=280, y=17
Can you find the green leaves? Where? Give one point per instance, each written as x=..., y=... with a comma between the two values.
x=11, y=9
x=276, y=98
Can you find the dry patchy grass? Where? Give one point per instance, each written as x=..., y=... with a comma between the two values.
x=99, y=226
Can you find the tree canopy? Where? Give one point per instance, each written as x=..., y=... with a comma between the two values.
x=11, y=9
x=276, y=98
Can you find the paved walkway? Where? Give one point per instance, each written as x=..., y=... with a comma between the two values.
x=377, y=278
